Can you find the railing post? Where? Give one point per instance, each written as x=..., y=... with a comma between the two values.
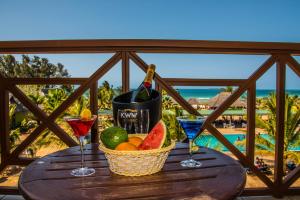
x=94, y=110
x=251, y=110
x=157, y=87
x=125, y=72
x=4, y=123
x=280, y=123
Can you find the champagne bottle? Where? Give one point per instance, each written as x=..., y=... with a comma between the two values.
x=143, y=93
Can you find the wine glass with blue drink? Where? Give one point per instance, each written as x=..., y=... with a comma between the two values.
x=191, y=125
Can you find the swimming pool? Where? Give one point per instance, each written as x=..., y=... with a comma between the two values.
x=212, y=142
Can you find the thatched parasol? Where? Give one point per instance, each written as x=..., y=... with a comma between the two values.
x=193, y=101
x=217, y=100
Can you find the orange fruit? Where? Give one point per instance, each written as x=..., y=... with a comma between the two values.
x=136, y=141
x=86, y=114
x=126, y=146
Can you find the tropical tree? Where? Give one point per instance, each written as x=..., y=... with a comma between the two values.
x=291, y=124
x=14, y=135
x=30, y=67
x=227, y=89
x=105, y=96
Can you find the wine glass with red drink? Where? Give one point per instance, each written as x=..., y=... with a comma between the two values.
x=81, y=129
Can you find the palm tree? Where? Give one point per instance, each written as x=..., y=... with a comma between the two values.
x=167, y=102
x=227, y=89
x=291, y=123
x=292, y=130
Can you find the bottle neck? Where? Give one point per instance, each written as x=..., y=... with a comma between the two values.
x=149, y=77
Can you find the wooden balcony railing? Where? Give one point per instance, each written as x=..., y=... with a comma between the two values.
x=280, y=54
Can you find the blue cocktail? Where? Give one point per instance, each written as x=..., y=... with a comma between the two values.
x=191, y=126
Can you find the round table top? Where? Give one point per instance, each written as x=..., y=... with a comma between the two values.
x=219, y=177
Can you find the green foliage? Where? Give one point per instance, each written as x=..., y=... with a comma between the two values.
x=54, y=98
x=227, y=89
x=173, y=127
x=30, y=67
x=14, y=135
x=171, y=110
x=105, y=96
x=37, y=98
x=291, y=124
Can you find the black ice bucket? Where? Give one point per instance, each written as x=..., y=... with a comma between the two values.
x=123, y=109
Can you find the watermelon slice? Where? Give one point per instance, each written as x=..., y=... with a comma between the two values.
x=156, y=138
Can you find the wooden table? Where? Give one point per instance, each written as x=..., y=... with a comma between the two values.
x=220, y=177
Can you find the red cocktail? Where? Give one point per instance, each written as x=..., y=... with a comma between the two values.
x=81, y=128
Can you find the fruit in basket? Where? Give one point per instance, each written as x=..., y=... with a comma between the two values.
x=136, y=141
x=126, y=146
x=156, y=138
x=113, y=136
x=86, y=114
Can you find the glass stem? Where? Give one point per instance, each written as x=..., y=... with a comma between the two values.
x=81, y=142
x=191, y=148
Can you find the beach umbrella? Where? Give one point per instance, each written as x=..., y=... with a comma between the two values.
x=217, y=100
x=193, y=101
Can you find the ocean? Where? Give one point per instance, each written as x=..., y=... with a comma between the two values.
x=211, y=92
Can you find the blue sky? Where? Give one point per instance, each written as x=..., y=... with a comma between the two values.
x=252, y=20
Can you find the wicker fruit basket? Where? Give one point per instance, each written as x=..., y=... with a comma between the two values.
x=136, y=163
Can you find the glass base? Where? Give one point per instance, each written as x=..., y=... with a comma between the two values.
x=190, y=163
x=83, y=171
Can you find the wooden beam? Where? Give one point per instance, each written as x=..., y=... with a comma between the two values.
x=23, y=145
x=239, y=155
x=7, y=190
x=4, y=122
x=94, y=109
x=204, y=82
x=250, y=136
x=46, y=81
x=268, y=192
x=291, y=177
x=280, y=119
x=148, y=46
x=57, y=112
x=256, y=192
x=125, y=72
x=81, y=89
x=179, y=99
x=293, y=64
x=57, y=130
x=21, y=161
x=239, y=91
x=158, y=88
